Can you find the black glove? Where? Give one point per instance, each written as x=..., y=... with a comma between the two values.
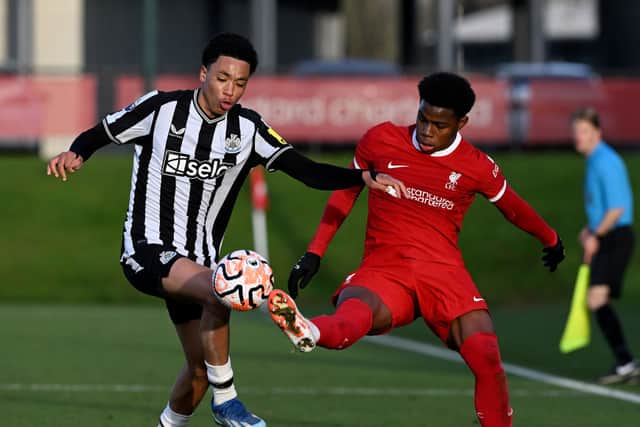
x=301, y=274
x=553, y=255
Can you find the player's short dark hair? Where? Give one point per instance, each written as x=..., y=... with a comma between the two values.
x=587, y=114
x=448, y=90
x=233, y=45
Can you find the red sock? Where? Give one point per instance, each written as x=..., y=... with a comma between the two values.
x=351, y=321
x=482, y=355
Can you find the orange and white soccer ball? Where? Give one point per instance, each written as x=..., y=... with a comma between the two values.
x=243, y=280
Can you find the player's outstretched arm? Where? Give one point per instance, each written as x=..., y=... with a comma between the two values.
x=323, y=176
x=337, y=209
x=82, y=148
x=523, y=216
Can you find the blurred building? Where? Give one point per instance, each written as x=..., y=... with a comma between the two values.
x=71, y=48
x=114, y=36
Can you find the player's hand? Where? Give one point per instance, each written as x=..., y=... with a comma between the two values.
x=384, y=182
x=301, y=274
x=584, y=234
x=590, y=245
x=553, y=255
x=63, y=163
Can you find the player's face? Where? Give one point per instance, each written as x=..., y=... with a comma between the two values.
x=585, y=136
x=436, y=127
x=223, y=84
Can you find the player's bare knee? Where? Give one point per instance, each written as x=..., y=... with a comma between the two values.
x=212, y=304
x=596, y=302
x=215, y=314
x=598, y=296
x=382, y=322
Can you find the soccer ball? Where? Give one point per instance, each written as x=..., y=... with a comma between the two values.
x=243, y=280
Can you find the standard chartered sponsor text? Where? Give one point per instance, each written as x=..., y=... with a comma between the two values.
x=423, y=196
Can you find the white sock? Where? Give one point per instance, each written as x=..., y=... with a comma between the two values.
x=221, y=380
x=315, y=332
x=168, y=418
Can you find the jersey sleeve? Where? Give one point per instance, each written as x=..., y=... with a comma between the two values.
x=337, y=209
x=132, y=122
x=362, y=158
x=615, y=183
x=269, y=145
x=491, y=183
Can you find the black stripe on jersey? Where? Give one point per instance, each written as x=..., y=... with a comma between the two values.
x=203, y=148
x=232, y=130
x=140, y=192
x=261, y=127
x=251, y=115
x=232, y=134
x=168, y=183
x=220, y=226
x=222, y=220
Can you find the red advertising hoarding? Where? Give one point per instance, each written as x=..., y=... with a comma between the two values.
x=36, y=106
x=335, y=110
x=552, y=103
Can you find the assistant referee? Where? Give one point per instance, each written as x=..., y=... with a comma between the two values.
x=608, y=238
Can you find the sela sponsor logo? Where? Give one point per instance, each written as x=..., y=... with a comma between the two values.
x=166, y=256
x=453, y=181
x=390, y=165
x=232, y=144
x=179, y=164
x=176, y=133
x=429, y=199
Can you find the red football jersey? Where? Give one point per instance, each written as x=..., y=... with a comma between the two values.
x=441, y=186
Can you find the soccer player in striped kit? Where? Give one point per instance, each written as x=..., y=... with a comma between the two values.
x=193, y=150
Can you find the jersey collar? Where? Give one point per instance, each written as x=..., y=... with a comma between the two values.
x=202, y=114
x=442, y=153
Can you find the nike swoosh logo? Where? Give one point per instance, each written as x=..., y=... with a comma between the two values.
x=476, y=299
x=390, y=165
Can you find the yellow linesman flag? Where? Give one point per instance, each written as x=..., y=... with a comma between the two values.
x=577, y=331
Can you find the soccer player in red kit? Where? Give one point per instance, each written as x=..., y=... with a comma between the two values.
x=412, y=266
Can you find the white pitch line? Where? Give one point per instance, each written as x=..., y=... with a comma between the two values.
x=297, y=391
x=83, y=388
x=531, y=374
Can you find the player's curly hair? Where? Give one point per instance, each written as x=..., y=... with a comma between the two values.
x=447, y=90
x=233, y=45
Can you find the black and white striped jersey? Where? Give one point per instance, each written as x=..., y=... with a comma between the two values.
x=187, y=169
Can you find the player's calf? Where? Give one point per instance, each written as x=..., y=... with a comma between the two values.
x=352, y=320
x=481, y=353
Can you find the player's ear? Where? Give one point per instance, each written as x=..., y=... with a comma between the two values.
x=203, y=73
x=463, y=122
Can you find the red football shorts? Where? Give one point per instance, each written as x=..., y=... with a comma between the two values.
x=410, y=288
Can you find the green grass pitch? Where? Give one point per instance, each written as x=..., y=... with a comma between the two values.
x=64, y=305
x=72, y=366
